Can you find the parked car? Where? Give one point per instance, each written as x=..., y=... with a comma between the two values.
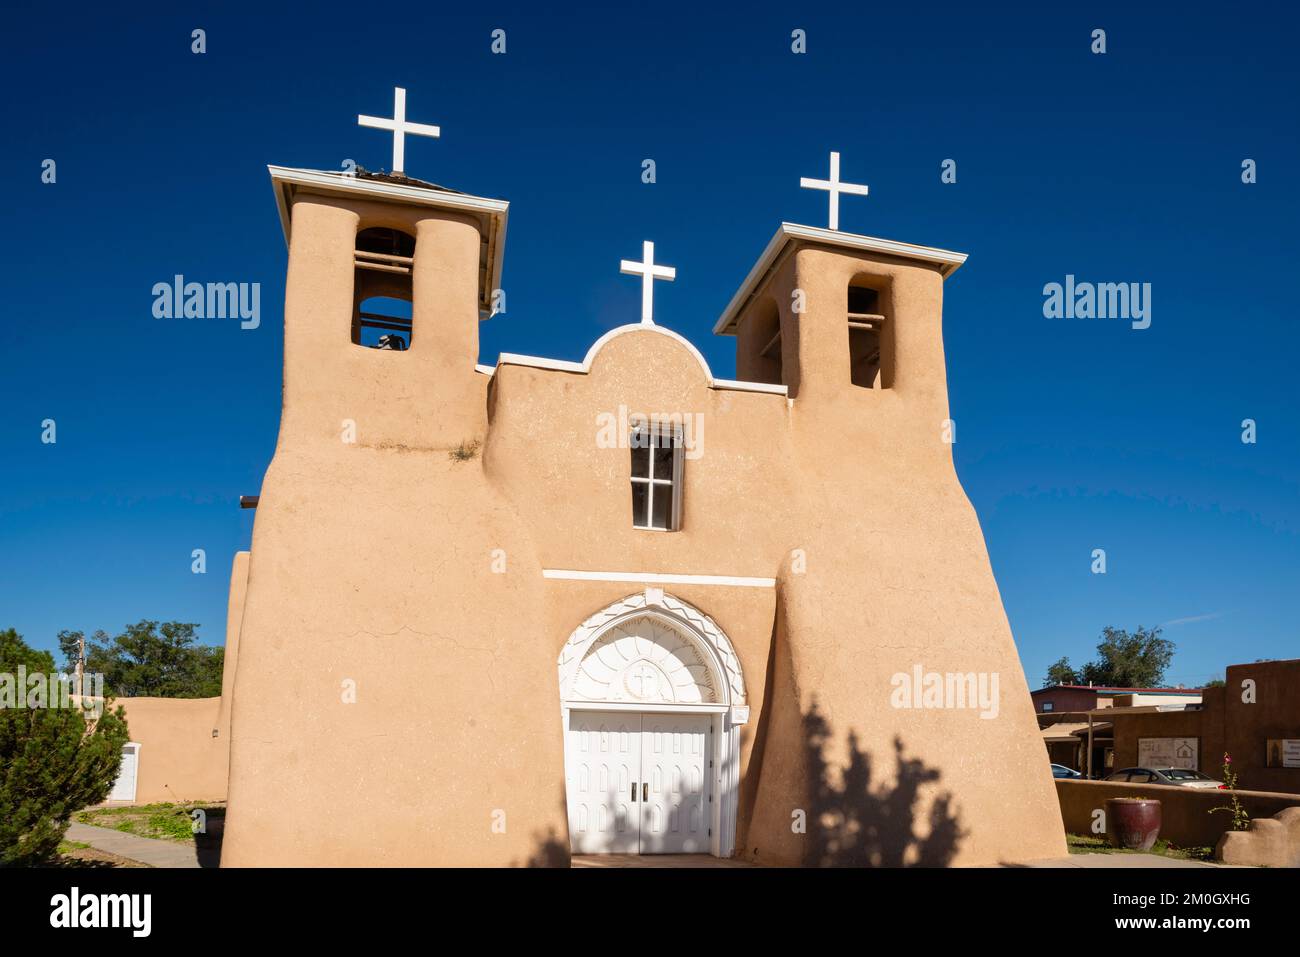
x=1177, y=777
x=1061, y=771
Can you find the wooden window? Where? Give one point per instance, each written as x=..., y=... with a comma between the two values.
x=656, y=479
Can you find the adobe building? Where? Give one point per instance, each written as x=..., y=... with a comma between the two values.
x=1075, y=699
x=179, y=748
x=1254, y=717
x=1063, y=719
x=497, y=615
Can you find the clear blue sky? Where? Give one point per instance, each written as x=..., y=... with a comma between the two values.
x=1072, y=435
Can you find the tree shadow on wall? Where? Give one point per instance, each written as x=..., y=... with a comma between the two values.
x=854, y=824
x=207, y=845
x=550, y=848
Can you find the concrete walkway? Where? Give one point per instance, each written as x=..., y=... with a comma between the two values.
x=1086, y=861
x=146, y=850
x=655, y=860
x=1122, y=861
x=156, y=853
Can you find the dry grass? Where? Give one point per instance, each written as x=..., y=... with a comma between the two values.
x=167, y=822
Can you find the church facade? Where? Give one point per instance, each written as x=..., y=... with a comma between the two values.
x=500, y=615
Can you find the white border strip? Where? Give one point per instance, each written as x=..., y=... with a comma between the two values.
x=584, y=367
x=946, y=260
x=731, y=385
x=286, y=179
x=537, y=362
x=418, y=195
x=656, y=578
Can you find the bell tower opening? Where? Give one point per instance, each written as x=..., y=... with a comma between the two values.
x=382, y=289
x=759, y=348
x=871, y=339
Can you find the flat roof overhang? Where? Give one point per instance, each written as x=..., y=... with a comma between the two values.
x=791, y=235
x=492, y=214
x=1145, y=709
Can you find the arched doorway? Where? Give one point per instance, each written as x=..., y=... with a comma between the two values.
x=651, y=695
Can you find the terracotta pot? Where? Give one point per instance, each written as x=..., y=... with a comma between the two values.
x=1132, y=822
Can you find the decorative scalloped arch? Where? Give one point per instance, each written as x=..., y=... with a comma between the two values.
x=682, y=616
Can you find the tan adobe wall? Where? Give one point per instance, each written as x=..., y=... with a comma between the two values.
x=1185, y=812
x=1269, y=842
x=234, y=620
x=898, y=575
x=1275, y=714
x=179, y=759
x=1129, y=729
x=1226, y=723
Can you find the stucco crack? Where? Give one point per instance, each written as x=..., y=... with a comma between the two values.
x=493, y=653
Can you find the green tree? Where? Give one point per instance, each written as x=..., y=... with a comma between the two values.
x=53, y=762
x=1061, y=673
x=70, y=646
x=151, y=659
x=1129, y=660
x=14, y=652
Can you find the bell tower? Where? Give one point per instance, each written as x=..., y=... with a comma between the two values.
x=373, y=620
x=388, y=279
x=836, y=317
x=842, y=319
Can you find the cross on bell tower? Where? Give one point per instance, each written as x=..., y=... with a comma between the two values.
x=400, y=128
x=834, y=187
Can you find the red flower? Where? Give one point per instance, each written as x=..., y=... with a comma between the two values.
x=1227, y=758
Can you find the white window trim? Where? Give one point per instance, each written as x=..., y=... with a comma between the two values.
x=656, y=578
x=674, y=520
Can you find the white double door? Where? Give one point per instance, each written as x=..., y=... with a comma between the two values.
x=639, y=783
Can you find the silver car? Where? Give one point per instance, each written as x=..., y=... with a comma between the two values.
x=1178, y=777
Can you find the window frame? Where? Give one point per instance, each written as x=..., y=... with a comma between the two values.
x=657, y=432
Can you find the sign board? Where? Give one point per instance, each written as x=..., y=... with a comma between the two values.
x=1283, y=753
x=1169, y=753
x=740, y=714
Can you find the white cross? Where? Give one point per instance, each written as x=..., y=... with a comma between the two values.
x=834, y=187
x=645, y=679
x=400, y=128
x=648, y=272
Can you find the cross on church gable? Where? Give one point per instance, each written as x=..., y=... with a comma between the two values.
x=649, y=271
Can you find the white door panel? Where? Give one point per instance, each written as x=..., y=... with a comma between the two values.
x=675, y=766
x=124, y=786
x=638, y=783
x=603, y=764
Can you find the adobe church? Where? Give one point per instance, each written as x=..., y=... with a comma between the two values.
x=499, y=615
